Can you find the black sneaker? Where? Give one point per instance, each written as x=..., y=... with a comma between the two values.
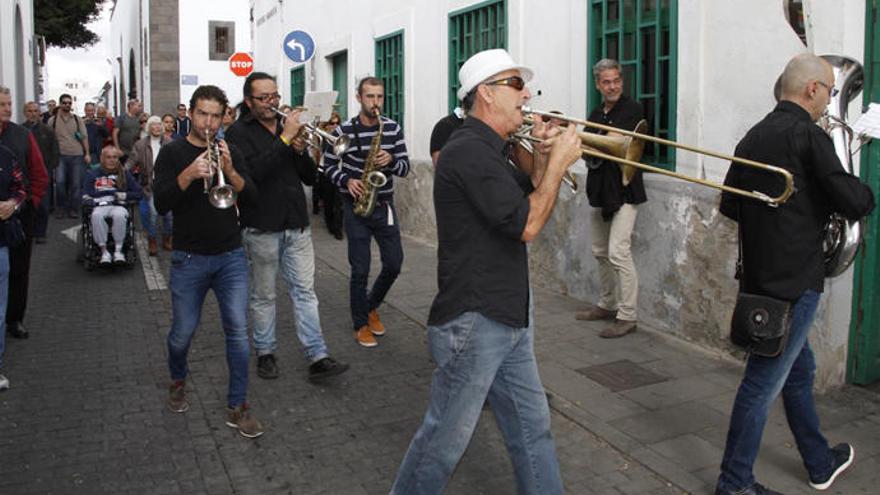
x=266, y=367
x=325, y=368
x=756, y=489
x=842, y=454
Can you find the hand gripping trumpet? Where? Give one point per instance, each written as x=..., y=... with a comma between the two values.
x=315, y=136
x=221, y=195
x=626, y=150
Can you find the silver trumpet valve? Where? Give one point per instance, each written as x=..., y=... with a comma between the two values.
x=316, y=137
x=221, y=195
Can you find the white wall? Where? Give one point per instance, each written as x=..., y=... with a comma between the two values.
x=20, y=80
x=194, y=17
x=729, y=56
x=125, y=32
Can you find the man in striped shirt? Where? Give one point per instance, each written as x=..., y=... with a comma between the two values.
x=346, y=173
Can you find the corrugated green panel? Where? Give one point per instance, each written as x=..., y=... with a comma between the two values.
x=642, y=36
x=863, y=364
x=471, y=30
x=297, y=86
x=389, y=68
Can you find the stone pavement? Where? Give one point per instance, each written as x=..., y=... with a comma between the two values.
x=86, y=414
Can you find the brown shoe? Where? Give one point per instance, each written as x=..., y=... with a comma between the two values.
x=177, y=397
x=365, y=337
x=595, y=314
x=153, y=246
x=240, y=417
x=375, y=323
x=618, y=329
x=166, y=242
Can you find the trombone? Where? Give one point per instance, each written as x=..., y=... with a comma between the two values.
x=315, y=136
x=626, y=150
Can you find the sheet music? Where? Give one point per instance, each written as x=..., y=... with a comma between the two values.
x=318, y=103
x=869, y=123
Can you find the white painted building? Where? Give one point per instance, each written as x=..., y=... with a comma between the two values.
x=21, y=53
x=161, y=50
x=722, y=58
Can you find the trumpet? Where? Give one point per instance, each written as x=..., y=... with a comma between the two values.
x=315, y=136
x=626, y=150
x=221, y=195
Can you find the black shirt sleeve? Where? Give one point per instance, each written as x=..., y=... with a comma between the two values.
x=847, y=194
x=442, y=130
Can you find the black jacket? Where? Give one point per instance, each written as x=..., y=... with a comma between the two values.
x=782, y=246
x=278, y=172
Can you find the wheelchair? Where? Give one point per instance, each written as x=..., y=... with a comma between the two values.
x=89, y=253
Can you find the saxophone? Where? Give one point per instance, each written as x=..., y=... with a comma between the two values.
x=372, y=178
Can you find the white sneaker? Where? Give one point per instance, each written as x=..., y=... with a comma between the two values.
x=105, y=258
x=118, y=257
x=4, y=382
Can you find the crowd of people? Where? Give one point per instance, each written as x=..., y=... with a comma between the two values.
x=491, y=199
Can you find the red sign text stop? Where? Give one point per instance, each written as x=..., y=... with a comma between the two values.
x=241, y=64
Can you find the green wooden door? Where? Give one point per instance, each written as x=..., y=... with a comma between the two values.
x=864, y=352
x=389, y=68
x=297, y=86
x=340, y=83
x=471, y=30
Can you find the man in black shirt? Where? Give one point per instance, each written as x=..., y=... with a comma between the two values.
x=207, y=251
x=782, y=257
x=613, y=216
x=442, y=130
x=480, y=329
x=276, y=226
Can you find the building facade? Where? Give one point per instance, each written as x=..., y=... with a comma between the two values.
x=704, y=72
x=21, y=54
x=161, y=50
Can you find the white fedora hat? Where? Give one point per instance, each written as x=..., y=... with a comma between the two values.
x=485, y=64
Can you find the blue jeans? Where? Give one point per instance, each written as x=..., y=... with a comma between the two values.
x=791, y=373
x=292, y=251
x=360, y=231
x=149, y=218
x=4, y=294
x=478, y=358
x=191, y=277
x=68, y=177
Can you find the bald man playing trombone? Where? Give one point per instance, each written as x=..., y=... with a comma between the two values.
x=480, y=327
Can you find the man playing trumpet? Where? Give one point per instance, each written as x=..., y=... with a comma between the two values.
x=614, y=198
x=207, y=252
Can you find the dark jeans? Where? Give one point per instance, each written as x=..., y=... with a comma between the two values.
x=68, y=178
x=20, y=267
x=41, y=218
x=382, y=225
x=790, y=373
x=332, y=199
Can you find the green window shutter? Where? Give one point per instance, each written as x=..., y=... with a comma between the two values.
x=471, y=30
x=340, y=83
x=297, y=86
x=389, y=68
x=643, y=36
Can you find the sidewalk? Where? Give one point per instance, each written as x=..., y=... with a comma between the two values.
x=86, y=410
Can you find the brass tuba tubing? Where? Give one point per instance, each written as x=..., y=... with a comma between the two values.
x=591, y=151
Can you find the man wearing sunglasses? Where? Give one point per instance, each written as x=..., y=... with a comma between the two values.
x=276, y=235
x=480, y=327
x=73, y=144
x=614, y=202
x=782, y=257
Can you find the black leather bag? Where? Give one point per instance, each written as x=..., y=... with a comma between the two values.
x=760, y=324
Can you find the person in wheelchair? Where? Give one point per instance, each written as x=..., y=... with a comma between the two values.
x=108, y=188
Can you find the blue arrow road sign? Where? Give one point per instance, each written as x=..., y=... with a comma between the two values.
x=299, y=46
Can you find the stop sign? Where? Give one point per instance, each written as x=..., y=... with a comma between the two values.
x=241, y=64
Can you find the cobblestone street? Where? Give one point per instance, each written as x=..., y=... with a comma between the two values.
x=86, y=411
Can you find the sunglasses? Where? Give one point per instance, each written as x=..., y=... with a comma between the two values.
x=265, y=98
x=514, y=82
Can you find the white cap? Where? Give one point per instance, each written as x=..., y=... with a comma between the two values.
x=483, y=65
